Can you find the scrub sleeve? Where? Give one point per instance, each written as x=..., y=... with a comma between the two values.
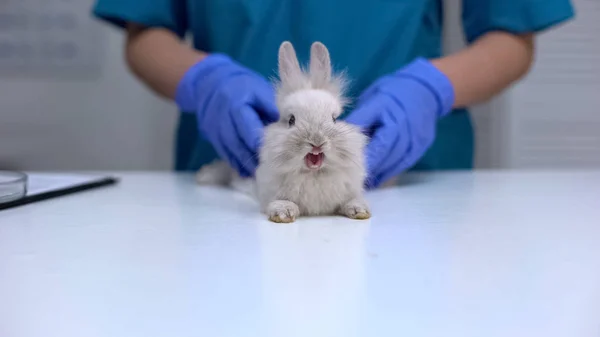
x=169, y=14
x=513, y=16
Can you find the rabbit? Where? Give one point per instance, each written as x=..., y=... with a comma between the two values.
x=310, y=163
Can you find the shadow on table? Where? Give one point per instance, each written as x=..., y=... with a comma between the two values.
x=405, y=180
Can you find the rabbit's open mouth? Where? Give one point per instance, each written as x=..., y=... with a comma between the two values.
x=314, y=160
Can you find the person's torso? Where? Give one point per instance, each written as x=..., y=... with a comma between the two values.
x=366, y=38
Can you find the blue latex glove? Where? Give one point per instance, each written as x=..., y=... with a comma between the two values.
x=232, y=104
x=400, y=111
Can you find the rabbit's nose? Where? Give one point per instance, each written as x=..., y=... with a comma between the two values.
x=317, y=148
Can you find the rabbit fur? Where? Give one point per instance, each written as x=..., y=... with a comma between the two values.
x=310, y=163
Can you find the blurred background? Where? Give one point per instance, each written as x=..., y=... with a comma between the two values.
x=68, y=102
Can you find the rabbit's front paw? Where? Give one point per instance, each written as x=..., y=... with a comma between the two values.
x=356, y=209
x=282, y=211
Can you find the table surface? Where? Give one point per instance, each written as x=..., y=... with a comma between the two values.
x=449, y=254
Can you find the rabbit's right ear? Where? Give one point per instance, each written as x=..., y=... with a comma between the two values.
x=290, y=74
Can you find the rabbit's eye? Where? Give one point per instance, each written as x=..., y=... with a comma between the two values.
x=333, y=117
x=292, y=120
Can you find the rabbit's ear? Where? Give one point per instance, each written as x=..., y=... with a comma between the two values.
x=290, y=73
x=320, y=66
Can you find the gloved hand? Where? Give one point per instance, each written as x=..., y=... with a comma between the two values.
x=400, y=112
x=232, y=104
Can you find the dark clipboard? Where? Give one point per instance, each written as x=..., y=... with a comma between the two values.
x=29, y=199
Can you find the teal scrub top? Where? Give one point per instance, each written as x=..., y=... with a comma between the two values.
x=368, y=39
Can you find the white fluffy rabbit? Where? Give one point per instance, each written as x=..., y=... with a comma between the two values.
x=310, y=163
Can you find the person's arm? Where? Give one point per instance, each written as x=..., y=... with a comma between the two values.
x=159, y=58
x=488, y=66
x=500, y=35
x=231, y=102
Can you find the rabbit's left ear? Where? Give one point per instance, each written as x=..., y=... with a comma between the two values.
x=320, y=66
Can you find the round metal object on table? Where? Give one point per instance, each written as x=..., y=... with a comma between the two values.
x=13, y=186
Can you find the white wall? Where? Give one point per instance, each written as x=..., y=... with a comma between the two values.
x=555, y=110
x=110, y=121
